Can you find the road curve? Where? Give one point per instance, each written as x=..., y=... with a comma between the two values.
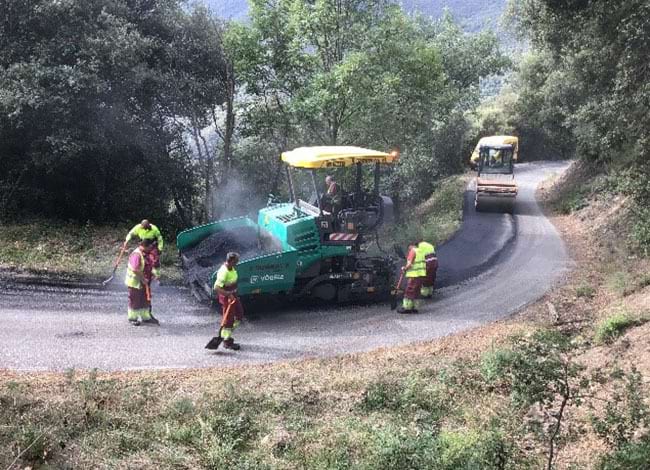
x=56, y=327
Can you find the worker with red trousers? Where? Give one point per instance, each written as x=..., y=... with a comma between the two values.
x=415, y=272
x=139, y=310
x=233, y=312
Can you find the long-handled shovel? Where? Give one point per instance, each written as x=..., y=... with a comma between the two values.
x=214, y=342
x=395, y=292
x=117, y=263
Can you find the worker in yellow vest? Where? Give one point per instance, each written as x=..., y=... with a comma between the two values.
x=415, y=272
x=139, y=297
x=431, y=263
x=145, y=230
x=232, y=310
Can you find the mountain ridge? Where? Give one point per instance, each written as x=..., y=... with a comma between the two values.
x=473, y=15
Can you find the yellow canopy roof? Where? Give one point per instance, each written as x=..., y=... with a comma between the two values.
x=335, y=156
x=496, y=140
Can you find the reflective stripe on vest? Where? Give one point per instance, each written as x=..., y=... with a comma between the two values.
x=418, y=268
x=131, y=279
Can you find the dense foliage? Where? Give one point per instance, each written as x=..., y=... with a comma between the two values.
x=92, y=99
x=583, y=87
x=113, y=109
x=330, y=73
x=582, y=91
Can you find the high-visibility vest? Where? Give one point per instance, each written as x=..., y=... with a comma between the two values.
x=226, y=278
x=131, y=279
x=428, y=248
x=143, y=234
x=419, y=267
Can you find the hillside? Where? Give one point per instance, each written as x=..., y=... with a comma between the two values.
x=473, y=14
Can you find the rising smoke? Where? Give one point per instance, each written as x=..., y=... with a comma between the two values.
x=235, y=198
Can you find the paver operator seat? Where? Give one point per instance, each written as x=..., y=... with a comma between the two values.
x=361, y=211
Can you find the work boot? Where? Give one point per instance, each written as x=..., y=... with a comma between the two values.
x=406, y=310
x=135, y=322
x=230, y=344
x=152, y=320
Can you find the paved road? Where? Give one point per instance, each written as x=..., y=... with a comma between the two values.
x=45, y=327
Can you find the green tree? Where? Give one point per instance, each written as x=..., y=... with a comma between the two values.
x=594, y=54
x=360, y=72
x=92, y=94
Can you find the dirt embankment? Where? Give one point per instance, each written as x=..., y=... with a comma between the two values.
x=604, y=303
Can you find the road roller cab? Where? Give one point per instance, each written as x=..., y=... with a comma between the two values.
x=495, y=184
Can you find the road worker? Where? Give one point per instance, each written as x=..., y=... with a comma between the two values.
x=431, y=263
x=415, y=272
x=136, y=282
x=145, y=230
x=233, y=311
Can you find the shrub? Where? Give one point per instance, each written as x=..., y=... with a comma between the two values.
x=633, y=456
x=425, y=394
x=572, y=202
x=613, y=327
x=34, y=444
x=381, y=396
x=495, y=364
x=625, y=413
x=181, y=409
x=189, y=435
x=585, y=290
x=449, y=450
x=543, y=371
x=393, y=447
x=472, y=449
x=641, y=230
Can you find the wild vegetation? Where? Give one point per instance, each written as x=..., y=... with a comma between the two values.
x=520, y=394
x=110, y=110
x=582, y=91
x=62, y=250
